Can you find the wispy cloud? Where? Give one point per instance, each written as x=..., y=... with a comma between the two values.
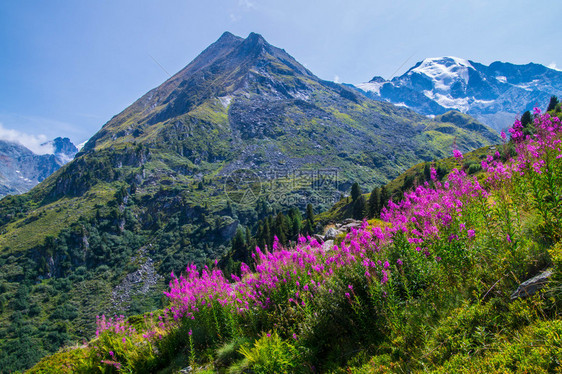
x=34, y=142
x=337, y=79
x=552, y=65
x=247, y=4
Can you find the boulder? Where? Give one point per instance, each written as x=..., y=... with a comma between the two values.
x=328, y=245
x=350, y=225
x=330, y=234
x=531, y=286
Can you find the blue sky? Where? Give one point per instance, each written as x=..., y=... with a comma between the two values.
x=67, y=67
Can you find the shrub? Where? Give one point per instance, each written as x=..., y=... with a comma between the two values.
x=271, y=354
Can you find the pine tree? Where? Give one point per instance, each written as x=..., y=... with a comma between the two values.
x=427, y=171
x=355, y=191
x=281, y=228
x=238, y=245
x=552, y=104
x=296, y=226
x=385, y=196
x=527, y=123
x=248, y=236
x=374, y=202
x=359, y=207
x=309, y=222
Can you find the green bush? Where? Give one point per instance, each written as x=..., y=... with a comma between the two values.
x=271, y=354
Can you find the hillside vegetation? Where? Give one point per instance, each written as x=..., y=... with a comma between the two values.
x=430, y=290
x=149, y=193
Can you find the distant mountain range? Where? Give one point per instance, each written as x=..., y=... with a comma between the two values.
x=493, y=94
x=21, y=169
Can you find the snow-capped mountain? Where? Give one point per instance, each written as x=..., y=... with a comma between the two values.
x=494, y=94
x=21, y=169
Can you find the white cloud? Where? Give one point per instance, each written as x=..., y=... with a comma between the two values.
x=247, y=4
x=234, y=17
x=33, y=142
x=337, y=79
x=552, y=65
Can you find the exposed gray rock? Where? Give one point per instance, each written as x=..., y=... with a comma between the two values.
x=349, y=226
x=139, y=282
x=330, y=234
x=531, y=286
x=328, y=244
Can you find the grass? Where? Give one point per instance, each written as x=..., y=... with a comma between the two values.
x=50, y=219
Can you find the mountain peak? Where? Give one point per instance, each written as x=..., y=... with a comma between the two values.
x=434, y=66
x=254, y=44
x=227, y=35
x=255, y=38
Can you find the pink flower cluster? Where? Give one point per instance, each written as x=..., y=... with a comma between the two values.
x=303, y=269
x=117, y=325
x=426, y=213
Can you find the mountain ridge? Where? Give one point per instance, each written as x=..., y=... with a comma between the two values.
x=21, y=169
x=494, y=94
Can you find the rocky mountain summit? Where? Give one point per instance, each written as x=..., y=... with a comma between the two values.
x=494, y=94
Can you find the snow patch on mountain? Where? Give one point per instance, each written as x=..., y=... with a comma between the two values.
x=374, y=87
x=444, y=71
x=447, y=101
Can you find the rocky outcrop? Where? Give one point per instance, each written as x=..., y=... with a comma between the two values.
x=531, y=286
x=137, y=283
x=341, y=228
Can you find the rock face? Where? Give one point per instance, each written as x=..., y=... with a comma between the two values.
x=531, y=286
x=493, y=94
x=330, y=234
x=64, y=150
x=21, y=169
x=137, y=283
x=341, y=228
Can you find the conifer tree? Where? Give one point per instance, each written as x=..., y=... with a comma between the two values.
x=385, y=196
x=359, y=207
x=552, y=104
x=527, y=123
x=309, y=224
x=374, y=202
x=526, y=119
x=238, y=245
x=427, y=171
x=281, y=228
x=355, y=191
